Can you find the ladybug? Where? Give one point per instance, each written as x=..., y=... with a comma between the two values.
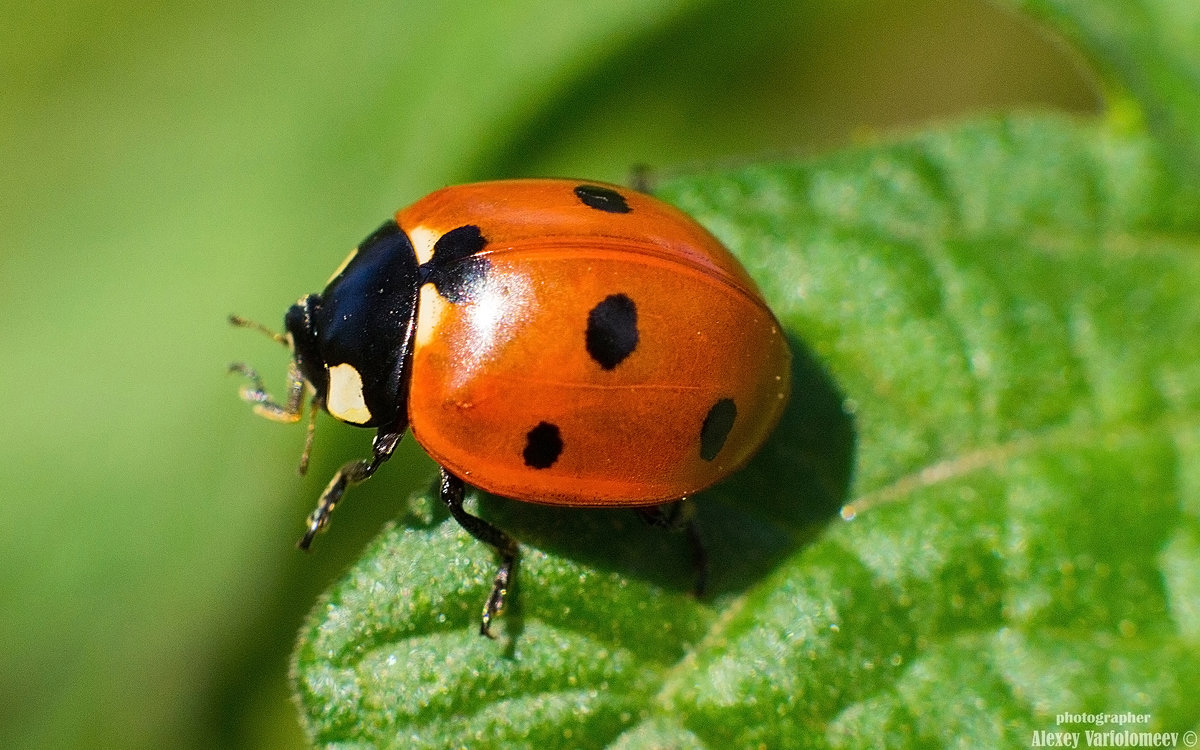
x=551, y=341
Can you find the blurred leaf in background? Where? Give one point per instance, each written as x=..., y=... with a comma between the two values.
x=163, y=166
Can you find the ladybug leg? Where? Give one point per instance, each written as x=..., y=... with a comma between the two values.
x=681, y=516
x=289, y=411
x=266, y=406
x=452, y=492
x=309, y=432
x=255, y=393
x=640, y=178
x=349, y=475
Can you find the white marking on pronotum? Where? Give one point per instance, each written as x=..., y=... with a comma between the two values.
x=431, y=308
x=345, y=398
x=423, y=239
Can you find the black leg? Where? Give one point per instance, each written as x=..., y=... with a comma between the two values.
x=452, y=493
x=309, y=432
x=349, y=475
x=680, y=516
x=640, y=178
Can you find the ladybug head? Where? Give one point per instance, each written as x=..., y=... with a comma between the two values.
x=302, y=338
x=352, y=342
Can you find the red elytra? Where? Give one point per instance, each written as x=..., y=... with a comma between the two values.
x=487, y=371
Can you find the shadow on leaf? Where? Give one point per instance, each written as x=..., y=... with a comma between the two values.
x=780, y=501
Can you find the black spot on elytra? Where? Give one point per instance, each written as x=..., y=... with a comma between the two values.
x=543, y=444
x=717, y=424
x=455, y=268
x=602, y=199
x=612, y=332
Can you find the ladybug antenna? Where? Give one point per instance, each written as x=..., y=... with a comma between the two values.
x=238, y=321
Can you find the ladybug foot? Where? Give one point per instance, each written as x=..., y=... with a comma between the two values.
x=452, y=491
x=495, y=601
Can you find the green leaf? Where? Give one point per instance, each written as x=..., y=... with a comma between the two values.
x=1147, y=52
x=997, y=329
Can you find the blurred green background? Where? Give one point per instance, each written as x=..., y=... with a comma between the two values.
x=164, y=165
